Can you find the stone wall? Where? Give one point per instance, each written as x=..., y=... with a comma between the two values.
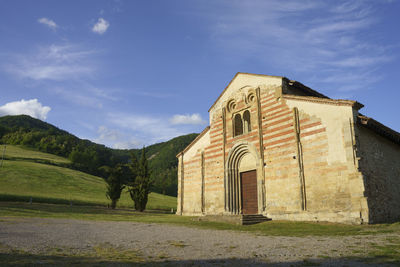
x=214, y=168
x=311, y=173
x=380, y=165
x=281, y=165
x=191, y=176
x=304, y=153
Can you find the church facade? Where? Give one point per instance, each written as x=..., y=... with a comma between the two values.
x=280, y=149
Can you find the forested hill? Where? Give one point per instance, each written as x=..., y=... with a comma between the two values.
x=88, y=156
x=15, y=123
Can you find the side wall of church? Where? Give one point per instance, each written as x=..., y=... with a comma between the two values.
x=380, y=165
x=190, y=177
x=333, y=186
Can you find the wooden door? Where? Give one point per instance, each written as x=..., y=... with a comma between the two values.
x=248, y=182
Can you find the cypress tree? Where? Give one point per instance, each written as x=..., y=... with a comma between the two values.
x=114, y=184
x=139, y=188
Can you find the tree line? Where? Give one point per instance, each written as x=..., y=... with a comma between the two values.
x=94, y=158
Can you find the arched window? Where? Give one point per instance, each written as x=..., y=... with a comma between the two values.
x=238, y=125
x=246, y=121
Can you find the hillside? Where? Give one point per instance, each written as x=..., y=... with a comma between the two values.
x=21, y=177
x=25, y=154
x=14, y=123
x=87, y=156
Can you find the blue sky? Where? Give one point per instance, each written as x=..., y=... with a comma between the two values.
x=133, y=73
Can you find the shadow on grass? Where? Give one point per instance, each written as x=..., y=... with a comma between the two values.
x=48, y=200
x=41, y=161
x=18, y=209
x=23, y=259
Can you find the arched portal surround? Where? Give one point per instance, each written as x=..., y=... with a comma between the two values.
x=232, y=177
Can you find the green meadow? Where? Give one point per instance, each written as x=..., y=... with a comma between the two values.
x=27, y=173
x=51, y=184
x=26, y=154
x=53, y=187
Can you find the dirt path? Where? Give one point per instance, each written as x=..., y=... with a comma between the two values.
x=177, y=245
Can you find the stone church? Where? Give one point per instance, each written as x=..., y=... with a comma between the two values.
x=275, y=147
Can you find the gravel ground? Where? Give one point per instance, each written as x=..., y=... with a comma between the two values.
x=177, y=245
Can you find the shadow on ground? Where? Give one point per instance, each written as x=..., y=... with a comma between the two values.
x=63, y=206
x=21, y=259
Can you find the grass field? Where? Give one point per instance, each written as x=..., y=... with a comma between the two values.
x=22, y=177
x=26, y=154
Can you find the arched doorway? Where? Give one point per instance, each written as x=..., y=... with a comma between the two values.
x=243, y=190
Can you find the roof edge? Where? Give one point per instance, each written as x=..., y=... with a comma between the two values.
x=337, y=102
x=234, y=77
x=194, y=141
x=379, y=128
x=305, y=88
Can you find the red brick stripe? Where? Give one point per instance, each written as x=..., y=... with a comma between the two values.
x=306, y=126
x=313, y=132
x=276, y=115
x=280, y=141
x=280, y=134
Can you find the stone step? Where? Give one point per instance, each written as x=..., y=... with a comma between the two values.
x=253, y=219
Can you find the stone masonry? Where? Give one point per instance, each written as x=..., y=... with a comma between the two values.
x=312, y=158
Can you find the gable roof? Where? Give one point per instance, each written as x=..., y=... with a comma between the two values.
x=299, y=86
x=379, y=128
x=314, y=96
x=236, y=75
x=305, y=89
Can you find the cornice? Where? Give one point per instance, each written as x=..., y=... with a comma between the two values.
x=336, y=102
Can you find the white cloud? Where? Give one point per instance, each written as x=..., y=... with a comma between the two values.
x=340, y=26
x=65, y=70
x=329, y=39
x=54, y=62
x=148, y=129
x=78, y=97
x=187, y=119
x=48, y=22
x=103, y=93
x=85, y=95
x=151, y=93
x=65, y=53
x=361, y=61
x=127, y=130
x=101, y=26
x=115, y=139
x=106, y=134
x=31, y=107
x=52, y=72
